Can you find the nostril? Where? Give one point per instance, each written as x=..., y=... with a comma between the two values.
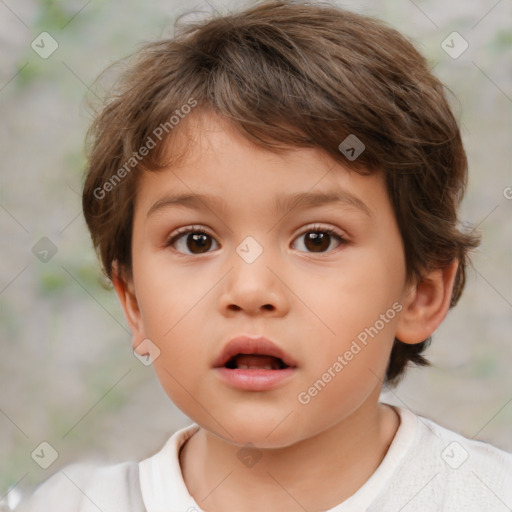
x=268, y=307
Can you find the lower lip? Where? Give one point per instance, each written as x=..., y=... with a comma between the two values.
x=254, y=380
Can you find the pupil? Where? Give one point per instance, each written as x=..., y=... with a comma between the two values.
x=319, y=241
x=203, y=242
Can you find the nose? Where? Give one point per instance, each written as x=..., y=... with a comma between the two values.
x=255, y=288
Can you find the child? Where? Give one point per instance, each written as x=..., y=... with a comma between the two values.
x=313, y=159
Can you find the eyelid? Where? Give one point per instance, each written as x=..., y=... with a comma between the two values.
x=331, y=231
x=178, y=233
x=340, y=235
x=201, y=228
x=329, y=228
x=188, y=229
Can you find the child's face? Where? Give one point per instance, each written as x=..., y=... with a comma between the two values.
x=313, y=305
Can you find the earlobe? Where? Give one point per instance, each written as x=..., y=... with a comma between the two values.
x=426, y=304
x=125, y=291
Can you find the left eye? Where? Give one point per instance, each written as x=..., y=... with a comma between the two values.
x=319, y=240
x=193, y=242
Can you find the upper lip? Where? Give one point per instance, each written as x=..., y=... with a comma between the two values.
x=244, y=344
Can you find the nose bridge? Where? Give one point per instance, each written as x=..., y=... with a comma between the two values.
x=250, y=250
x=251, y=286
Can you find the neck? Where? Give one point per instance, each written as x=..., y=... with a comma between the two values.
x=335, y=463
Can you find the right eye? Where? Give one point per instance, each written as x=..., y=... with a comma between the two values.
x=192, y=239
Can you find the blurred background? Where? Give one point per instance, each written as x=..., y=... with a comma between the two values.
x=67, y=373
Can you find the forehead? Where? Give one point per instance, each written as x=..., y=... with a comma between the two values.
x=210, y=163
x=204, y=135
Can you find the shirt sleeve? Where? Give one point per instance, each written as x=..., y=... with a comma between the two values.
x=85, y=488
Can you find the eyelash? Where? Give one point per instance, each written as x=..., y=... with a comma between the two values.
x=200, y=229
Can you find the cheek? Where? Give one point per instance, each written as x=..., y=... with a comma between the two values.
x=353, y=315
x=351, y=298
x=166, y=294
x=345, y=371
x=173, y=302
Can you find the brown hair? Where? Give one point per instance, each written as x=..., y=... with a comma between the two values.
x=291, y=74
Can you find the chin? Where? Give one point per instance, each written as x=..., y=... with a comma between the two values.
x=266, y=431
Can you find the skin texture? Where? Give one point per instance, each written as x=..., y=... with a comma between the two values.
x=311, y=304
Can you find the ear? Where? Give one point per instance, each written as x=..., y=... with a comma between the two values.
x=426, y=304
x=125, y=290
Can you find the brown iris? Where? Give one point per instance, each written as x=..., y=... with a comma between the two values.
x=316, y=241
x=200, y=241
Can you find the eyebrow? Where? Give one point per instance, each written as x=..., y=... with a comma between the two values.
x=312, y=199
x=284, y=203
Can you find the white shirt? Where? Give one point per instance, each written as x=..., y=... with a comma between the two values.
x=427, y=468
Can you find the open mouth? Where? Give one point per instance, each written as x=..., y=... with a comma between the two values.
x=255, y=362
